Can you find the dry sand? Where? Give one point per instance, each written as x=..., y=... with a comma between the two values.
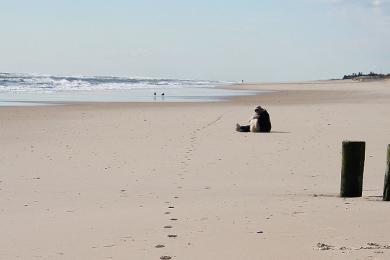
x=113, y=181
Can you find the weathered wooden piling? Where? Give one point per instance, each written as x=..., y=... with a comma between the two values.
x=386, y=189
x=352, y=168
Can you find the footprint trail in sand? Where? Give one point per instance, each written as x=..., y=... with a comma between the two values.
x=183, y=170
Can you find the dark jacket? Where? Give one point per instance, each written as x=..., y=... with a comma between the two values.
x=264, y=122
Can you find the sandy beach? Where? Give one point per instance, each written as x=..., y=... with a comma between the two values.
x=148, y=180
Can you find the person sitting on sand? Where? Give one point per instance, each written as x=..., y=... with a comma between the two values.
x=260, y=122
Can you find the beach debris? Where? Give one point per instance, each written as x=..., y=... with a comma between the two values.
x=323, y=246
x=372, y=245
x=174, y=219
x=159, y=246
x=260, y=232
x=171, y=207
x=369, y=246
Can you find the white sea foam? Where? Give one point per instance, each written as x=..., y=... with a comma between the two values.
x=38, y=89
x=17, y=82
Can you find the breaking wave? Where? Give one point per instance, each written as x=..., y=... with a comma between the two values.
x=17, y=82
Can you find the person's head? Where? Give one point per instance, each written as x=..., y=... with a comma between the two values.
x=259, y=110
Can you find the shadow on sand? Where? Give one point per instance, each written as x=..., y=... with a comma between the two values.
x=274, y=132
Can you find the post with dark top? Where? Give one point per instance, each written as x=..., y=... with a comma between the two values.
x=386, y=190
x=352, y=169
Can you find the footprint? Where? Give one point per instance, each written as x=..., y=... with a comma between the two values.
x=171, y=207
x=174, y=219
x=165, y=257
x=172, y=236
x=159, y=246
x=167, y=226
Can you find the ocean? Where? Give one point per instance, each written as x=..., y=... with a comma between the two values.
x=17, y=89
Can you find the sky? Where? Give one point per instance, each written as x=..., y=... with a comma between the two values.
x=251, y=40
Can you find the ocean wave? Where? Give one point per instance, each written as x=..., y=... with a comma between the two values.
x=19, y=82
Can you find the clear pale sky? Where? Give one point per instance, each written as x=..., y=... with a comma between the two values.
x=223, y=40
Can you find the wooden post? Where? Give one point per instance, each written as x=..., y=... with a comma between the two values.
x=352, y=168
x=386, y=190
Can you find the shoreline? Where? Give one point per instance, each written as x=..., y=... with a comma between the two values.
x=169, y=93
x=99, y=180
x=270, y=93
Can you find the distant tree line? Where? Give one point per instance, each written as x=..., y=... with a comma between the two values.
x=369, y=75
